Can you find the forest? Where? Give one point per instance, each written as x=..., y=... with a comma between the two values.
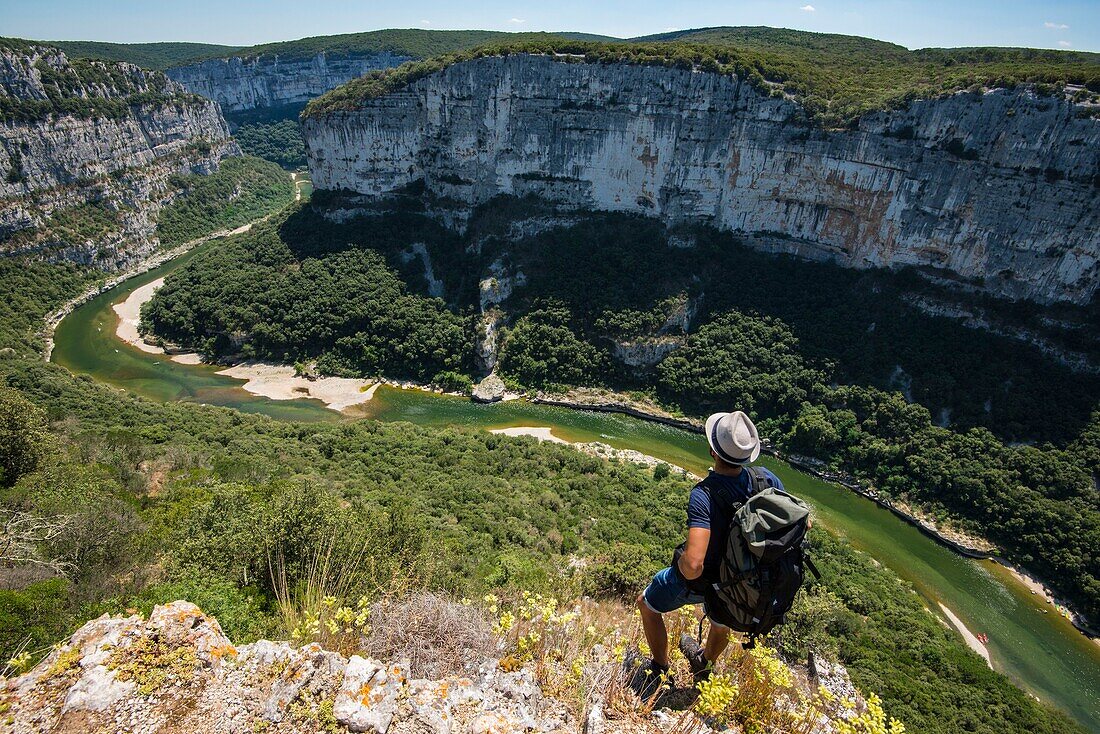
x=278, y=141
x=242, y=189
x=821, y=381
x=159, y=56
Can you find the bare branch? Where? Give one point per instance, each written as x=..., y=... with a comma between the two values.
x=23, y=535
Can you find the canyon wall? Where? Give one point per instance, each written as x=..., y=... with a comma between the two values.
x=239, y=84
x=88, y=151
x=1001, y=189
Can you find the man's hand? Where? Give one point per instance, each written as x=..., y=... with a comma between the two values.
x=691, y=562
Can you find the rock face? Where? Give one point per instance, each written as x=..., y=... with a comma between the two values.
x=645, y=352
x=109, y=165
x=177, y=671
x=239, y=84
x=999, y=187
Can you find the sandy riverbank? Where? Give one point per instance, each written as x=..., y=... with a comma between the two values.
x=594, y=448
x=129, y=316
x=542, y=433
x=972, y=640
x=278, y=382
x=1037, y=588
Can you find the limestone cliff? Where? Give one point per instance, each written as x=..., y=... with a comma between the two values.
x=999, y=188
x=245, y=83
x=87, y=151
x=130, y=674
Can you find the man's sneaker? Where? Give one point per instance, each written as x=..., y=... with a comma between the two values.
x=700, y=666
x=648, y=678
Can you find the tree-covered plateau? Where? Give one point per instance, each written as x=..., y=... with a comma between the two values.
x=158, y=55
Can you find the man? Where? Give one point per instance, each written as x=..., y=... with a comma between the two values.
x=734, y=443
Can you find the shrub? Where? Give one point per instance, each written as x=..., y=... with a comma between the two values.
x=33, y=618
x=622, y=572
x=453, y=381
x=239, y=611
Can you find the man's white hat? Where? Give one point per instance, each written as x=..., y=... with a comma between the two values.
x=733, y=437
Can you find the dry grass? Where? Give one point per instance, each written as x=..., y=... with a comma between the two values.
x=439, y=637
x=585, y=656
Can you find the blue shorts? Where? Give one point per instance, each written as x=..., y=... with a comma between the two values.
x=667, y=593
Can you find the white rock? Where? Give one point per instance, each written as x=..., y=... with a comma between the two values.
x=97, y=690
x=489, y=390
x=123, y=164
x=268, y=81
x=368, y=696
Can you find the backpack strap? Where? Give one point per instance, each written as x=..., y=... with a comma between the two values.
x=810, y=565
x=759, y=479
x=719, y=496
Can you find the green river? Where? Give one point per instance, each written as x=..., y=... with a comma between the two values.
x=1028, y=640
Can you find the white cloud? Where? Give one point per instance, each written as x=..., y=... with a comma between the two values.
x=425, y=22
x=671, y=29
x=808, y=8
x=516, y=21
x=1056, y=26
x=1065, y=44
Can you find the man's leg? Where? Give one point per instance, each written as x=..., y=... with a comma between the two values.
x=656, y=634
x=717, y=639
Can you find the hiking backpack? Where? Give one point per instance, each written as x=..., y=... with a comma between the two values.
x=764, y=562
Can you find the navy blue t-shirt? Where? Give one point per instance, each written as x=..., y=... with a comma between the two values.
x=703, y=513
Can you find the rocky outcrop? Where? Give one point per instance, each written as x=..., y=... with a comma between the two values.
x=645, y=352
x=239, y=84
x=997, y=188
x=177, y=670
x=487, y=340
x=489, y=390
x=86, y=159
x=497, y=285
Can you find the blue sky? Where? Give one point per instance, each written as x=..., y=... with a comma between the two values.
x=1071, y=24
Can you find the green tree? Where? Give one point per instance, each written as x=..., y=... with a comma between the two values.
x=541, y=350
x=743, y=361
x=23, y=436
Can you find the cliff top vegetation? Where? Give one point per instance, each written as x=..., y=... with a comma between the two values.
x=158, y=56
x=412, y=42
x=835, y=78
x=44, y=82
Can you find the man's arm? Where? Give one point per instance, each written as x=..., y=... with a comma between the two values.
x=691, y=561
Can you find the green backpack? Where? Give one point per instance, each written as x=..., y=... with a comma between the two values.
x=764, y=562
